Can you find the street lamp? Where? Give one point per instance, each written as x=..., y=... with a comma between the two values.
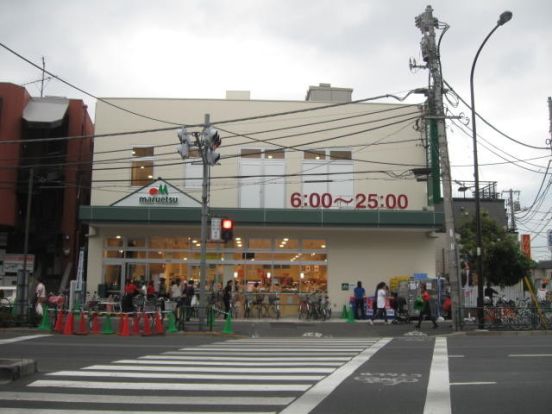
x=504, y=18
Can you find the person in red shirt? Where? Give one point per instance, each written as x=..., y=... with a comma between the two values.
x=130, y=291
x=447, y=307
x=426, y=309
x=150, y=290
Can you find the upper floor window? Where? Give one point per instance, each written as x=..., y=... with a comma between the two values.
x=322, y=154
x=267, y=154
x=141, y=166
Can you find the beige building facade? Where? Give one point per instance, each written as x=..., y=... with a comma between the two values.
x=323, y=193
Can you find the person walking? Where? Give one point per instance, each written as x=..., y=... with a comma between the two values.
x=360, y=295
x=381, y=299
x=227, y=298
x=40, y=294
x=426, y=307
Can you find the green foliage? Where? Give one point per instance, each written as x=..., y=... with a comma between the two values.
x=503, y=261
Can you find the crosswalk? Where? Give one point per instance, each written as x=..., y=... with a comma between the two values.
x=254, y=375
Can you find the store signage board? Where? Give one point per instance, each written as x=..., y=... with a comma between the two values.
x=14, y=262
x=157, y=194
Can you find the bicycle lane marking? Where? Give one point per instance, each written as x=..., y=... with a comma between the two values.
x=22, y=338
x=314, y=396
x=438, y=387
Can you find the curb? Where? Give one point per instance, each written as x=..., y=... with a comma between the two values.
x=13, y=369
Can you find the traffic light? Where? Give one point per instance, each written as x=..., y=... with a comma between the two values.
x=185, y=142
x=227, y=229
x=212, y=141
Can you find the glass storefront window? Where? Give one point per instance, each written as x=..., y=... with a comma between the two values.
x=136, y=243
x=260, y=244
x=314, y=244
x=116, y=241
x=290, y=265
x=169, y=243
x=286, y=243
x=114, y=254
x=112, y=278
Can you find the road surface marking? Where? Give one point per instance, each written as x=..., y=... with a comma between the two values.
x=174, y=361
x=21, y=338
x=158, y=375
x=254, y=358
x=232, y=370
x=314, y=396
x=60, y=411
x=529, y=355
x=292, y=350
x=474, y=383
x=438, y=389
x=171, y=386
x=456, y=356
x=148, y=399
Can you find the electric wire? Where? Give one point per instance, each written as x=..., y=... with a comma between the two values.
x=492, y=126
x=271, y=115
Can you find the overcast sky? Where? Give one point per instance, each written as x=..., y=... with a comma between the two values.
x=277, y=48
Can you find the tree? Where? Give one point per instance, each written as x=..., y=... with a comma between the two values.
x=503, y=261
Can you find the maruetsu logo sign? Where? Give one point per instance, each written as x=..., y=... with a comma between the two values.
x=158, y=195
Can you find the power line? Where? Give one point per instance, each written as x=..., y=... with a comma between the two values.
x=491, y=125
x=295, y=148
x=498, y=155
x=107, y=102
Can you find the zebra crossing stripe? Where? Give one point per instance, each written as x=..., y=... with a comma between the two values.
x=292, y=350
x=194, y=376
x=172, y=386
x=61, y=411
x=233, y=370
x=254, y=358
x=22, y=338
x=176, y=361
x=145, y=400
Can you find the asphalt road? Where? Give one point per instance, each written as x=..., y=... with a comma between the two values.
x=297, y=371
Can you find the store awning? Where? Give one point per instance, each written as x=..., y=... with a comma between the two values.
x=45, y=112
x=429, y=220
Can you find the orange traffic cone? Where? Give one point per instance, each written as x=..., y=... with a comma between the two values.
x=159, y=328
x=59, y=322
x=120, y=325
x=96, y=324
x=124, y=331
x=68, y=329
x=136, y=324
x=83, y=325
x=147, y=327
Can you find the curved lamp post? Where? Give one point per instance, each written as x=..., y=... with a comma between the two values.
x=504, y=18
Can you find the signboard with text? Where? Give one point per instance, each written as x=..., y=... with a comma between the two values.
x=526, y=245
x=14, y=262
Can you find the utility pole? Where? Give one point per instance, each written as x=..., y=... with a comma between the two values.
x=512, y=208
x=207, y=142
x=204, y=218
x=550, y=119
x=42, y=80
x=427, y=24
x=22, y=277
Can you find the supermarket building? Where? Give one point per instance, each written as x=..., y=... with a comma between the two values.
x=323, y=192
